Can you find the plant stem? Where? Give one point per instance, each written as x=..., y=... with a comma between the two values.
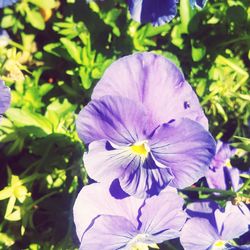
x=213, y=190
x=209, y=190
x=244, y=186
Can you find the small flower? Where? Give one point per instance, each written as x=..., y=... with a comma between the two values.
x=5, y=3
x=14, y=191
x=104, y=222
x=211, y=227
x=156, y=12
x=4, y=97
x=221, y=175
x=150, y=139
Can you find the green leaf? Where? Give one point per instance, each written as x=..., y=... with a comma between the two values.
x=86, y=82
x=62, y=108
x=221, y=111
x=186, y=14
x=23, y=118
x=35, y=19
x=72, y=49
x=7, y=21
x=53, y=48
x=45, y=4
x=198, y=52
x=176, y=36
x=6, y=240
x=45, y=88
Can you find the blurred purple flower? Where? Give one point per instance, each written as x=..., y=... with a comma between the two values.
x=211, y=227
x=4, y=38
x=103, y=222
x=4, y=97
x=221, y=175
x=5, y=3
x=150, y=140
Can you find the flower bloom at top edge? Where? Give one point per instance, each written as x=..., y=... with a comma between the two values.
x=198, y=3
x=130, y=223
x=148, y=132
x=157, y=12
x=4, y=97
x=211, y=227
x=5, y=3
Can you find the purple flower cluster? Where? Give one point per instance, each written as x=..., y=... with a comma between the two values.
x=211, y=227
x=146, y=135
x=103, y=222
x=4, y=97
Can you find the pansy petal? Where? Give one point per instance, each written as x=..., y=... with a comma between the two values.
x=231, y=223
x=198, y=234
x=104, y=163
x=108, y=233
x=234, y=178
x=163, y=215
x=245, y=210
x=157, y=12
x=155, y=82
x=94, y=200
x=117, y=119
x=196, y=209
x=4, y=97
x=204, y=209
x=144, y=178
x=223, y=153
x=186, y=148
x=216, y=178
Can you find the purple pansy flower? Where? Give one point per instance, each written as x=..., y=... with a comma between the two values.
x=157, y=12
x=103, y=222
x=4, y=97
x=221, y=175
x=211, y=227
x=150, y=132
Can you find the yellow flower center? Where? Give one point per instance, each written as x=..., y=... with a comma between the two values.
x=143, y=246
x=137, y=243
x=140, y=148
x=219, y=244
x=228, y=163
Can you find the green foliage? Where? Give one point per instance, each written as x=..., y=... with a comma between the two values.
x=56, y=53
